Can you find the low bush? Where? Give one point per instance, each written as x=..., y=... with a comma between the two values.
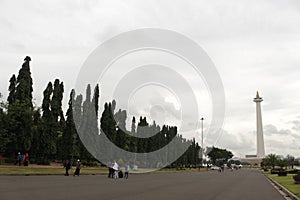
x=293, y=171
x=297, y=178
x=282, y=173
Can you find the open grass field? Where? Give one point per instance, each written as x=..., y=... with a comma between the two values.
x=16, y=170
x=56, y=170
x=287, y=182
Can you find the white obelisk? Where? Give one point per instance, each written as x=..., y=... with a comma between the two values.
x=259, y=127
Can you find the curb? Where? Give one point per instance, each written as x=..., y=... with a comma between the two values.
x=287, y=193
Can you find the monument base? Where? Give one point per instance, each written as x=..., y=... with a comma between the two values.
x=252, y=161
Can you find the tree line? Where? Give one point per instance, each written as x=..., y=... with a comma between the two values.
x=273, y=160
x=49, y=134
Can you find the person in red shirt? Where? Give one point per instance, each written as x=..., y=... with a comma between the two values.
x=26, y=157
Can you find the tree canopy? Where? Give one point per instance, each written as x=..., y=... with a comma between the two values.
x=217, y=154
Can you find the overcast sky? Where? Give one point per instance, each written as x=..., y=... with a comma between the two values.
x=255, y=45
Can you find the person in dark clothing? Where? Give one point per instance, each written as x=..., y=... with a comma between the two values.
x=111, y=171
x=19, y=159
x=77, y=170
x=68, y=167
x=120, y=174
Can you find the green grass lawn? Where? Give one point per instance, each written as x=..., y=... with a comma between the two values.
x=16, y=170
x=287, y=182
x=27, y=170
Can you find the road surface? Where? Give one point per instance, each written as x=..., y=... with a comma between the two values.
x=241, y=184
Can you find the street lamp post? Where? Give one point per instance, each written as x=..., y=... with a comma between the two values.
x=202, y=141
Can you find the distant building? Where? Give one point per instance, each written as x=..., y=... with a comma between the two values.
x=251, y=156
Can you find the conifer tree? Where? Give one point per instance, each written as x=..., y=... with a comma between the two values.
x=68, y=140
x=20, y=110
x=12, y=90
x=24, y=84
x=48, y=135
x=57, y=114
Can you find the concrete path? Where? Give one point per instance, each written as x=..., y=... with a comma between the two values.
x=241, y=184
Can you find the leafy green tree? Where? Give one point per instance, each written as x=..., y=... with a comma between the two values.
x=291, y=161
x=271, y=160
x=282, y=163
x=219, y=154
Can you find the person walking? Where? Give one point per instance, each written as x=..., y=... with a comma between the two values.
x=26, y=158
x=78, y=167
x=19, y=159
x=67, y=165
x=116, y=170
x=110, y=170
x=127, y=169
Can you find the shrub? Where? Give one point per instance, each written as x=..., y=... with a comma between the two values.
x=282, y=173
x=293, y=171
x=297, y=178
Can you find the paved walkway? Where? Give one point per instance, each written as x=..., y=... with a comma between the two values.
x=242, y=184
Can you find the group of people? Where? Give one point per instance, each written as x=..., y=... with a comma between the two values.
x=22, y=159
x=114, y=170
x=67, y=166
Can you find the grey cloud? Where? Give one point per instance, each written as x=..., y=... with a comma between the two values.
x=271, y=129
x=296, y=124
x=240, y=144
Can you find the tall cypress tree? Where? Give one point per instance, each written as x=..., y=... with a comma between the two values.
x=56, y=102
x=77, y=118
x=69, y=133
x=96, y=99
x=4, y=135
x=133, y=141
x=86, y=126
x=47, y=137
x=57, y=113
x=12, y=90
x=24, y=84
x=36, y=133
x=20, y=109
